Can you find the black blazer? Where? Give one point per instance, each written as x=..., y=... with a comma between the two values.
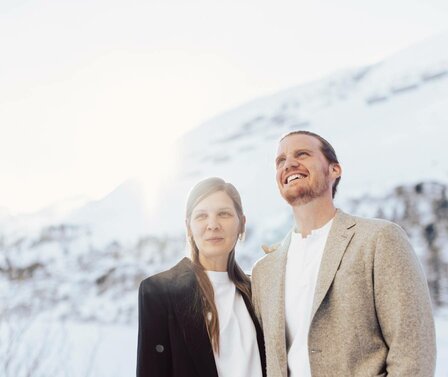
x=172, y=339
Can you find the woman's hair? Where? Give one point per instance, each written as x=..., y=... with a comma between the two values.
x=209, y=312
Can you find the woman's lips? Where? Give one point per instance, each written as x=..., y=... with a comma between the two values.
x=215, y=239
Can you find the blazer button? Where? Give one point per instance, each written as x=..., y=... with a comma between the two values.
x=316, y=351
x=160, y=348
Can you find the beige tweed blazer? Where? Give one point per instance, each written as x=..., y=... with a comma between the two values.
x=371, y=314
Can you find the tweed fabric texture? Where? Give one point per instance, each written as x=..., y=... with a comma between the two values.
x=371, y=313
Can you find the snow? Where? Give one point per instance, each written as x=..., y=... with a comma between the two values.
x=92, y=349
x=442, y=345
x=69, y=349
x=122, y=213
x=75, y=266
x=372, y=140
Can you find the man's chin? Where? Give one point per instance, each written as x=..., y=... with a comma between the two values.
x=298, y=198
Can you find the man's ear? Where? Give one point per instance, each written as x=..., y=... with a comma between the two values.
x=336, y=170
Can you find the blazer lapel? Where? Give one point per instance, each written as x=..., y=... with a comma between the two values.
x=259, y=332
x=187, y=309
x=277, y=301
x=341, y=233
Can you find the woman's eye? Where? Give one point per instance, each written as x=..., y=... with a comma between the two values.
x=200, y=216
x=225, y=214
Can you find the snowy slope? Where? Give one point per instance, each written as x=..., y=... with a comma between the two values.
x=122, y=215
x=387, y=123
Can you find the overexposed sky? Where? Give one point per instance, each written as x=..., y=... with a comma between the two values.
x=95, y=91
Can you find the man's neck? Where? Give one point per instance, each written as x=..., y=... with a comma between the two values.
x=313, y=215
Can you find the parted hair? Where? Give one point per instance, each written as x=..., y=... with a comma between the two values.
x=208, y=309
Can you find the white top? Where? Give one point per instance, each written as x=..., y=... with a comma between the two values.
x=302, y=268
x=238, y=348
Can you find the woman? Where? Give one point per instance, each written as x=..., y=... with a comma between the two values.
x=196, y=319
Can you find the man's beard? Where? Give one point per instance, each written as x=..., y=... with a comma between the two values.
x=304, y=194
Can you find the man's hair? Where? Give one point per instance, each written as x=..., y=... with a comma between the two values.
x=325, y=147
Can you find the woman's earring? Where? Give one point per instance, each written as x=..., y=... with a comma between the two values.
x=241, y=236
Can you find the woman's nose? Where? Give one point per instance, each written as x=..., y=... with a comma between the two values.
x=213, y=223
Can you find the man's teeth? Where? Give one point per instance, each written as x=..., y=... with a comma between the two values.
x=294, y=176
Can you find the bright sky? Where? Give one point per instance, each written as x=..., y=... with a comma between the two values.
x=93, y=92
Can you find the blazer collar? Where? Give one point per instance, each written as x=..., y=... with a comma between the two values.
x=277, y=284
x=187, y=305
x=259, y=333
x=341, y=232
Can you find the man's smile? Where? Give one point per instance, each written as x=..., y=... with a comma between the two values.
x=293, y=177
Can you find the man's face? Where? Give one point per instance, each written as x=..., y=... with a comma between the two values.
x=303, y=172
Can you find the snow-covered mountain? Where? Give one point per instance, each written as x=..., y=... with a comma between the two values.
x=123, y=215
x=82, y=261
x=387, y=122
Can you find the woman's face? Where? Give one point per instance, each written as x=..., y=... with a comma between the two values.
x=215, y=226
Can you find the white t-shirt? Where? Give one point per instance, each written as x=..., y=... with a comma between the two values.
x=302, y=269
x=238, y=347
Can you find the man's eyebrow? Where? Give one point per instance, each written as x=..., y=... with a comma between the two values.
x=279, y=157
x=303, y=150
x=299, y=150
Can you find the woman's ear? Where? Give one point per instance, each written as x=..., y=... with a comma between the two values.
x=188, y=228
x=243, y=224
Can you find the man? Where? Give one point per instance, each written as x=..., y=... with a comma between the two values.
x=342, y=296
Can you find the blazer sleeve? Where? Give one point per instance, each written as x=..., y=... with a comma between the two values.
x=403, y=306
x=153, y=350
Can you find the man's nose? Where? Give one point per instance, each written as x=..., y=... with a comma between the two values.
x=290, y=162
